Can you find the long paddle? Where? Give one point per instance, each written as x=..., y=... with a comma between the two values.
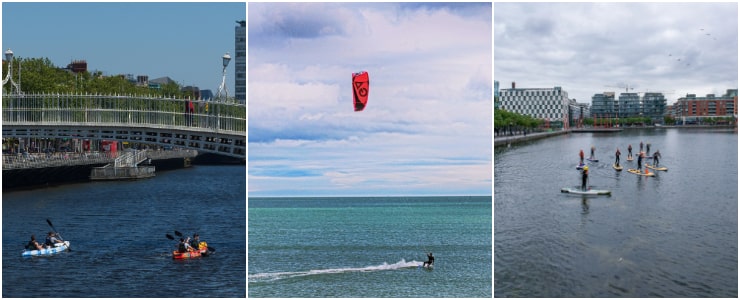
x=57, y=232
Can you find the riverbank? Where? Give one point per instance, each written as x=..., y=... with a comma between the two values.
x=506, y=140
x=40, y=170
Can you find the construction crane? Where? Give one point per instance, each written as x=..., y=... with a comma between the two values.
x=626, y=87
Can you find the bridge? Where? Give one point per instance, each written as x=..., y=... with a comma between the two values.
x=204, y=126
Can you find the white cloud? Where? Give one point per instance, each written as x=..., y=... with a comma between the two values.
x=426, y=128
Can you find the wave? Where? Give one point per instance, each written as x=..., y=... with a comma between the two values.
x=262, y=277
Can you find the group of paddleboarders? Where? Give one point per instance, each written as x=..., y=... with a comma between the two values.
x=52, y=238
x=640, y=157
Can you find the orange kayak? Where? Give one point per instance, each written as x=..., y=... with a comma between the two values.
x=201, y=251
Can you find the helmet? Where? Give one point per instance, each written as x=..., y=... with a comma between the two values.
x=585, y=168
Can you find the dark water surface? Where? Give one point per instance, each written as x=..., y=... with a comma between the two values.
x=370, y=247
x=117, y=234
x=673, y=235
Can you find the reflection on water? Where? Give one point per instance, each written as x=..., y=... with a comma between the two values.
x=672, y=235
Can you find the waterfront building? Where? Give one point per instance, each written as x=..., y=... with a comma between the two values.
x=654, y=106
x=604, y=105
x=629, y=105
x=549, y=104
x=240, y=62
x=691, y=108
x=578, y=112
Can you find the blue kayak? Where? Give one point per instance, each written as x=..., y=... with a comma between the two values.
x=58, y=248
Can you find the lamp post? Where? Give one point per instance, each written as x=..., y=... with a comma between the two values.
x=9, y=77
x=222, y=88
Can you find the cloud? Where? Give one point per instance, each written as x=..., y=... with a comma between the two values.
x=429, y=109
x=588, y=48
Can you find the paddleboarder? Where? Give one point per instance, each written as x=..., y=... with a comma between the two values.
x=656, y=157
x=592, y=152
x=581, y=155
x=617, y=154
x=629, y=151
x=639, y=160
x=584, y=178
x=647, y=148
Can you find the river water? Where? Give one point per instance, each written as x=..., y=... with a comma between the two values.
x=118, y=237
x=672, y=235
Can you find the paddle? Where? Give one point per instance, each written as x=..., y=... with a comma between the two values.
x=57, y=232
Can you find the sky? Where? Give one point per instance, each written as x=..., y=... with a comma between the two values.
x=184, y=41
x=590, y=48
x=426, y=129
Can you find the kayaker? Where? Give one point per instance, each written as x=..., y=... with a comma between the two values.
x=581, y=155
x=430, y=260
x=617, y=154
x=195, y=242
x=584, y=178
x=629, y=151
x=33, y=244
x=51, y=239
x=183, y=246
x=656, y=157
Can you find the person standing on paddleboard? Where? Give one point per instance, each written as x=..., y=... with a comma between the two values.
x=629, y=151
x=656, y=157
x=639, y=160
x=581, y=155
x=617, y=154
x=584, y=178
x=592, y=152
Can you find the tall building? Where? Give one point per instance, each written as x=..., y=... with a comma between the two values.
x=654, y=106
x=240, y=62
x=604, y=105
x=629, y=105
x=550, y=104
x=691, y=108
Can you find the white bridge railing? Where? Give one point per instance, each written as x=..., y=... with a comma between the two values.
x=116, y=110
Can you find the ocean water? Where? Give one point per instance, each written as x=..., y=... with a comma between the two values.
x=369, y=247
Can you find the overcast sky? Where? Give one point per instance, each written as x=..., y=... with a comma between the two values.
x=589, y=48
x=426, y=129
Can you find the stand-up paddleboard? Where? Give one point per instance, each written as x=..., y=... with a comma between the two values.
x=656, y=168
x=580, y=166
x=630, y=158
x=618, y=168
x=592, y=159
x=637, y=172
x=579, y=191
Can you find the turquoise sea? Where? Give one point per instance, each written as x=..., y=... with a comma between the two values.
x=369, y=247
